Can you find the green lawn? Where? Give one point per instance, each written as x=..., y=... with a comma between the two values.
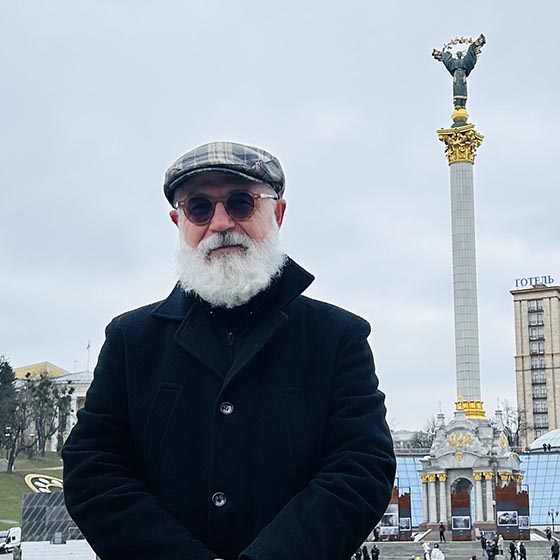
x=12, y=486
x=51, y=459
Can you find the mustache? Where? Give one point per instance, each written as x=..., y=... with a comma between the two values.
x=224, y=239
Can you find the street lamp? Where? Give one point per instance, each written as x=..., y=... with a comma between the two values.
x=553, y=515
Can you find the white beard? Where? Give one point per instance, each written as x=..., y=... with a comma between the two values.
x=229, y=279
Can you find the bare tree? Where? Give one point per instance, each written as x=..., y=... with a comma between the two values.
x=40, y=408
x=424, y=438
x=515, y=424
x=51, y=405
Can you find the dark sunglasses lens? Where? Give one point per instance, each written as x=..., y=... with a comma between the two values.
x=240, y=205
x=199, y=209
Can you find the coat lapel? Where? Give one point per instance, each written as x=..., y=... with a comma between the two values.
x=293, y=282
x=265, y=326
x=199, y=337
x=196, y=333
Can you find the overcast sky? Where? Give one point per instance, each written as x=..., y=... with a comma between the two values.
x=99, y=97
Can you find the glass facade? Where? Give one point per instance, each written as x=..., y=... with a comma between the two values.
x=542, y=476
x=407, y=475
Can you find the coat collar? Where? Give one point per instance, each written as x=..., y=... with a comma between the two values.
x=197, y=333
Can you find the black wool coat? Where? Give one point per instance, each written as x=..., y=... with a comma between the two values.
x=267, y=443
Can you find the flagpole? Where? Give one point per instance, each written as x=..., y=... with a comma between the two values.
x=87, y=348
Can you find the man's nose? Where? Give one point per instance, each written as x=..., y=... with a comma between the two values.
x=221, y=220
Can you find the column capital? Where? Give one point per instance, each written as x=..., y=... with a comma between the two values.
x=477, y=475
x=424, y=478
x=461, y=143
x=473, y=409
x=506, y=476
x=488, y=475
x=442, y=477
x=431, y=478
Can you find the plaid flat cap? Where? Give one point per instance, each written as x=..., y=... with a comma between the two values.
x=239, y=159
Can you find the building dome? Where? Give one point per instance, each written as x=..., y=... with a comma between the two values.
x=551, y=438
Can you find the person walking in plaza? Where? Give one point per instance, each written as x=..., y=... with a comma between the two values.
x=522, y=551
x=483, y=544
x=237, y=418
x=441, y=532
x=555, y=550
x=437, y=553
x=492, y=549
x=548, y=533
x=427, y=549
x=500, y=544
x=365, y=553
x=375, y=552
x=512, y=550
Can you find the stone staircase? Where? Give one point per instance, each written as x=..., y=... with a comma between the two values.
x=457, y=550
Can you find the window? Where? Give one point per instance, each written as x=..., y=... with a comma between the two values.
x=536, y=333
x=539, y=392
x=536, y=319
x=540, y=406
x=538, y=376
x=541, y=420
x=536, y=347
x=539, y=433
x=534, y=305
x=537, y=362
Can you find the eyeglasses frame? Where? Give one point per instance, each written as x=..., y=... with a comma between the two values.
x=215, y=199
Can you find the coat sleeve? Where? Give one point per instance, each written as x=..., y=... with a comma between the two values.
x=346, y=498
x=103, y=490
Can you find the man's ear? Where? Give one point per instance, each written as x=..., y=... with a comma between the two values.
x=279, y=210
x=174, y=215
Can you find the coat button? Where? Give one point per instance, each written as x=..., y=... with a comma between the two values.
x=226, y=408
x=219, y=499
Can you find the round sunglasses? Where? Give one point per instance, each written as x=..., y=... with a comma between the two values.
x=240, y=205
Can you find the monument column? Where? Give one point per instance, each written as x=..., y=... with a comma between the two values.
x=478, y=496
x=442, y=497
x=432, y=509
x=488, y=476
x=424, y=479
x=461, y=142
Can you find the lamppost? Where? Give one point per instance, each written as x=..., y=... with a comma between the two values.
x=553, y=515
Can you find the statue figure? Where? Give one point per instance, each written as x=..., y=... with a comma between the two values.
x=460, y=66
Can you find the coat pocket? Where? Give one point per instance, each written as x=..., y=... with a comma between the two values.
x=158, y=422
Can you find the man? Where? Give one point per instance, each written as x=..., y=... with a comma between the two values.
x=512, y=550
x=441, y=532
x=427, y=549
x=491, y=549
x=555, y=550
x=237, y=418
x=437, y=553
